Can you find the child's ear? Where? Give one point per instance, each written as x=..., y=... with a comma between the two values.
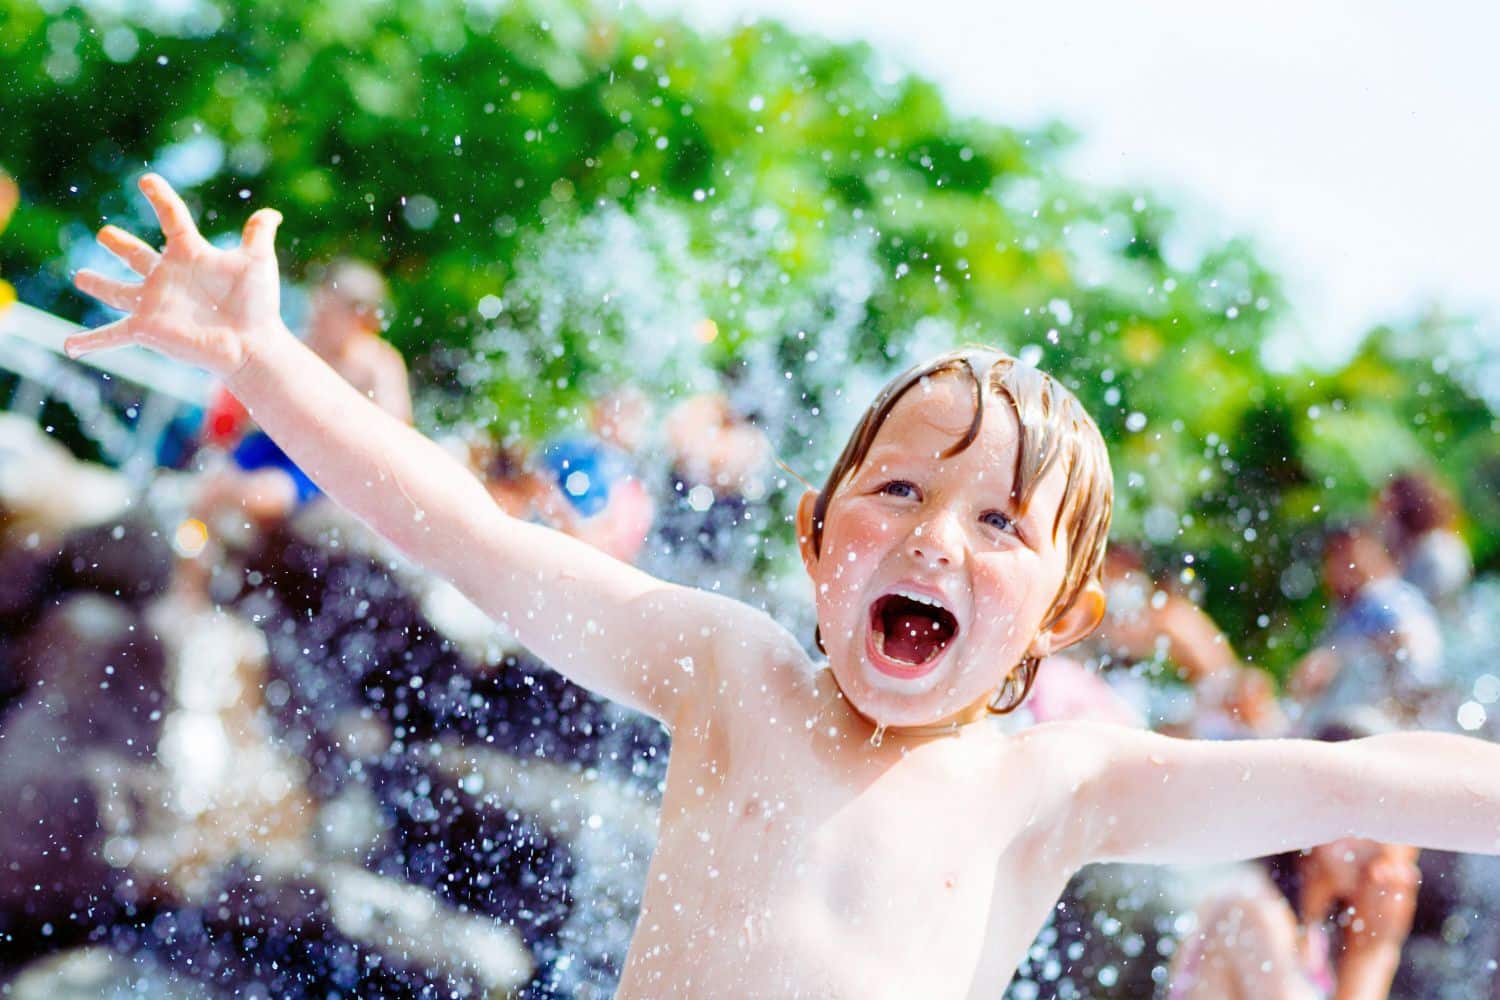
x=804, y=528
x=1080, y=618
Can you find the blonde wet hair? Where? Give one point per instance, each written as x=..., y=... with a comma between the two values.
x=1054, y=427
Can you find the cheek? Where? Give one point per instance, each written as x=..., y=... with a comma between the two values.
x=865, y=529
x=854, y=542
x=1007, y=585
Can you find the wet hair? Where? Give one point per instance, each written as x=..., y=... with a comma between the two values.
x=1055, y=428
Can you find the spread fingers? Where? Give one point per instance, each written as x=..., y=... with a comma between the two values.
x=136, y=253
x=116, y=334
x=107, y=290
x=171, y=211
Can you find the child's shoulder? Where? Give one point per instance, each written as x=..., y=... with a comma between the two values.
x=1069, y=738
x=772, y=655
x=1067, y=753
x=752, y=671
x=749, y=645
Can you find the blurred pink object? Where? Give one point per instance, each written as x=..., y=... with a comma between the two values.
x=1066, y=690
x=622, y=527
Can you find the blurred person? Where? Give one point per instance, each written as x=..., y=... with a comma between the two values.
x=594, y=472
x=535, y=495
x=254, y=483
x=1326, y=923
x=577, y=485
x=348, y=305
x=10, y=197
x=1420, y=521
x=717, y=461
x=516, y=487
x=1259, y=942
x=1067, y=690
x=1144, y=620
x=621, y=418
x=713, y=445
x=1383, y=648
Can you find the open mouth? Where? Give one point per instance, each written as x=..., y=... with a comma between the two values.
x=911, y=630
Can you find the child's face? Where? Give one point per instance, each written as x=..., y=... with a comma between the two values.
x=930, y=585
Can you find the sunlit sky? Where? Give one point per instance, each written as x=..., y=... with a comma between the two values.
x=1356, y=143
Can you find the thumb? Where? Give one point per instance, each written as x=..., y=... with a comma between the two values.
x=259, y=237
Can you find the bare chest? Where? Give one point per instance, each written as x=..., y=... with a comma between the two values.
x=838, y=880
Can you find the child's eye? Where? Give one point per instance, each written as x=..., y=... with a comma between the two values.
x=899, y=488
x=999, y=521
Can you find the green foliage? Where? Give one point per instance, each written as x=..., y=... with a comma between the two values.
x=563, y=195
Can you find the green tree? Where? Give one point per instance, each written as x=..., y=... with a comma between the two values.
x=568, y=196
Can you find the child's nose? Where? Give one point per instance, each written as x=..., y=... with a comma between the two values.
x=936, y=542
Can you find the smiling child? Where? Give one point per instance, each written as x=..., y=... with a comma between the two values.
x=841, y=832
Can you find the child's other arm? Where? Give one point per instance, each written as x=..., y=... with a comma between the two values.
x=602, y=623
x=1153, y=799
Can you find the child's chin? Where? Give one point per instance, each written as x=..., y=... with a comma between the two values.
x=896, y=701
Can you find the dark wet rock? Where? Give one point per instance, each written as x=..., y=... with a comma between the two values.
x=26, y=578
x=261, y=933
x=92, y=667
x=55, y=882
x=479, y=856
x=128, y=559
x=708, y=535
x=268, y=938
x=92, y=681
x=98, y=972
x=370, y=692
x=345, y=634
x=11, y=684
x=1107, y=926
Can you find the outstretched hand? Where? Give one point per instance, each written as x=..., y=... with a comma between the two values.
x=198, y=304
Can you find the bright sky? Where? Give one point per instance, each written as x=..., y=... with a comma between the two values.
x=1357, y=143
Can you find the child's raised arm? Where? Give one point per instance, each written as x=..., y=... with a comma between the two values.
x=1153, y=799
x=603, y=624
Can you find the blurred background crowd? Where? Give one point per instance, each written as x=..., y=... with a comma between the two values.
x=641, y=278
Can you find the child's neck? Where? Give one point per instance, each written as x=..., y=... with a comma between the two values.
x=950, y=725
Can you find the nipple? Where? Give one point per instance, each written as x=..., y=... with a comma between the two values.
x=878, y=736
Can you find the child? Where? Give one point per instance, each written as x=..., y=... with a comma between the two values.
x=846, y=832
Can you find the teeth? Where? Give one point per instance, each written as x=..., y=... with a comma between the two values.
x=920, y=598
